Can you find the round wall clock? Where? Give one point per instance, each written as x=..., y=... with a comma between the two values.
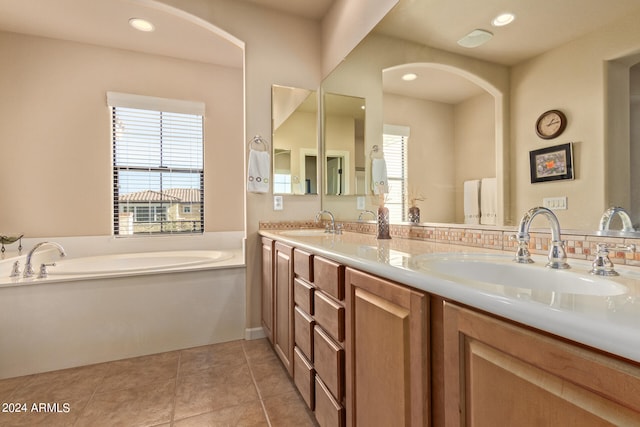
x=551, y=124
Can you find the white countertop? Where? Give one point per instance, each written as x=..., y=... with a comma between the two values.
x=608, y=323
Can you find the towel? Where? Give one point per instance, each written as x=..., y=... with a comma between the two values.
x=472, y=202
x=488, y=201
x=379, y=176
x=259, y=171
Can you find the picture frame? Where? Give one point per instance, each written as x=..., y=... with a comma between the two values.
x=551, y=163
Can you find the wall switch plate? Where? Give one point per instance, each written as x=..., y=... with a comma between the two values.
x=278, y=203
x=360, y=203
x=555, y=203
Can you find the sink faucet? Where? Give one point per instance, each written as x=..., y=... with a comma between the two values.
x=557, y=254
x=332, y=228
x=28, y=268
x=366, y=212
x=608, y=215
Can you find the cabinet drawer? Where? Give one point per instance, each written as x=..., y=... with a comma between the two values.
x=328, y=359
x=303, y=264
x=303, y=295
x=329, y=413
x=304, y=332
x=330, y=315
x=329, y=276
x=303, y=376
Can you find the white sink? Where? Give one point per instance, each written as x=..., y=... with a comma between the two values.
x=502, y=271
x=305, y=232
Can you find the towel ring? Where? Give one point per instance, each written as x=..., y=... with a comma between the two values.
x=258, y=140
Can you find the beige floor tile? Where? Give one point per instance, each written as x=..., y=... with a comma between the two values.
x=288, y=410
x=148, y=405
x=271, y=378
x=259, y=351
x=130, y=373
x=202, y=358
x=245, y=415
x=9, y=385
x=214, y=389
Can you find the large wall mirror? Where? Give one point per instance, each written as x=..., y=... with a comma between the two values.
x=294, y=114
x=475, y=117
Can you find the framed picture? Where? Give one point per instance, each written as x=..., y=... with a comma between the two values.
x=551, y=163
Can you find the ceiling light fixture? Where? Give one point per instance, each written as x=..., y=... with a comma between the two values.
x=503, y=19
x=475, y=38
x=141, y=24
x=409, y=77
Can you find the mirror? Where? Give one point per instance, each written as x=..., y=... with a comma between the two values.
x=514, y=91
x=344, y=159
x=294, y=115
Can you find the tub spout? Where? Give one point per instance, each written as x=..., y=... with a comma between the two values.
x=28, y=268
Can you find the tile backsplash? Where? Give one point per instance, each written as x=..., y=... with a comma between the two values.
x=578, y=245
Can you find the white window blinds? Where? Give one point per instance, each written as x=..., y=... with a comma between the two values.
x=395, y=154
x=158, y=174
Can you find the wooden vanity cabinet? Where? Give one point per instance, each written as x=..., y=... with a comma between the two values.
x=387, y=348
x=498, y=373
x=283, y=304
x=267, y=288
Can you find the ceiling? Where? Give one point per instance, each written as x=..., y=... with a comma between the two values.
x=539, y=26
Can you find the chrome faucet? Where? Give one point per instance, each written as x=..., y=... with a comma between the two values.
x=608, y=215
x=332, y=228
x=28, y=268
x=366, y=212
x=557, y=254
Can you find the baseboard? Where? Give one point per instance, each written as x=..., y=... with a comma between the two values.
x=254, y=333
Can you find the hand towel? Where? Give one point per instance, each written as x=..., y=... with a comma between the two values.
x=379, y=182
x=472, y=202
x=488, y=201
x=258, y=172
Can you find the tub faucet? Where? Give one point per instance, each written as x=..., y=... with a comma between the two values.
x=557, y=254
x=608, y=215
x=28, y=268
x=332, y=228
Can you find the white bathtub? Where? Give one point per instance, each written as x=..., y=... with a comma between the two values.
x=107, y=307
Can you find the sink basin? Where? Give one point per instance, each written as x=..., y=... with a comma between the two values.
x=502, y=271
x=304, y=232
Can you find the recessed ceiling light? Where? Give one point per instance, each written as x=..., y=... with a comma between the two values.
x=362, y=107
x=503, y=19
x=141, y=24
x=475, y=38
x=409, y=77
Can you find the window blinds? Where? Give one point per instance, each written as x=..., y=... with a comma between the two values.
x=394, y=147
x=158, y=174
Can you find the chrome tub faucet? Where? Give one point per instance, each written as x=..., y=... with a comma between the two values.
x=28, y=268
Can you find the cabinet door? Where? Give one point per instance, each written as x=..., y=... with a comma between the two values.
x=283, y=305
x=497, y=373
x=387, y=353
x=267, y=287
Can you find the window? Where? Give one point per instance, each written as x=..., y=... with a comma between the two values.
x=395, y=154
x=158, y=174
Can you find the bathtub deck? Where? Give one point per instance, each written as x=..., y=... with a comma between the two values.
x=239, y=382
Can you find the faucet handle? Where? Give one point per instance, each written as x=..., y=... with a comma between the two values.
x=43, y=270
x=15, y=271
x=523, y=256
x=602, y=264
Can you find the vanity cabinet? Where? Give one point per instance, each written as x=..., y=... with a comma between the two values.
x=498, y=373
x=387, y=345
x=267, y=288
x=283, y=319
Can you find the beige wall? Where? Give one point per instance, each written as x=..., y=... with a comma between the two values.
x=573, y=78
x=55, y=128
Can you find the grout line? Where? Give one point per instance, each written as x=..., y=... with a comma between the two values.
x=175, y=390
x=255, y=384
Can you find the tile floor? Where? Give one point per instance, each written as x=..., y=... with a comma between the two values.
x=240, y=383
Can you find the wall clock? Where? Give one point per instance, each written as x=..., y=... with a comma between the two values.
x=551, y=124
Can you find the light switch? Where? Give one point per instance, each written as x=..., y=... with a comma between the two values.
x=555, y=203
x=278, y=203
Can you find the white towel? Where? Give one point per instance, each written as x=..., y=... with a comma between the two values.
x=472, y=202
x=258, y=172
x=488, y=201
x=379, y=176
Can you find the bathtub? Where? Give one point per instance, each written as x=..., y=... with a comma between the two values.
x=110, y=306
